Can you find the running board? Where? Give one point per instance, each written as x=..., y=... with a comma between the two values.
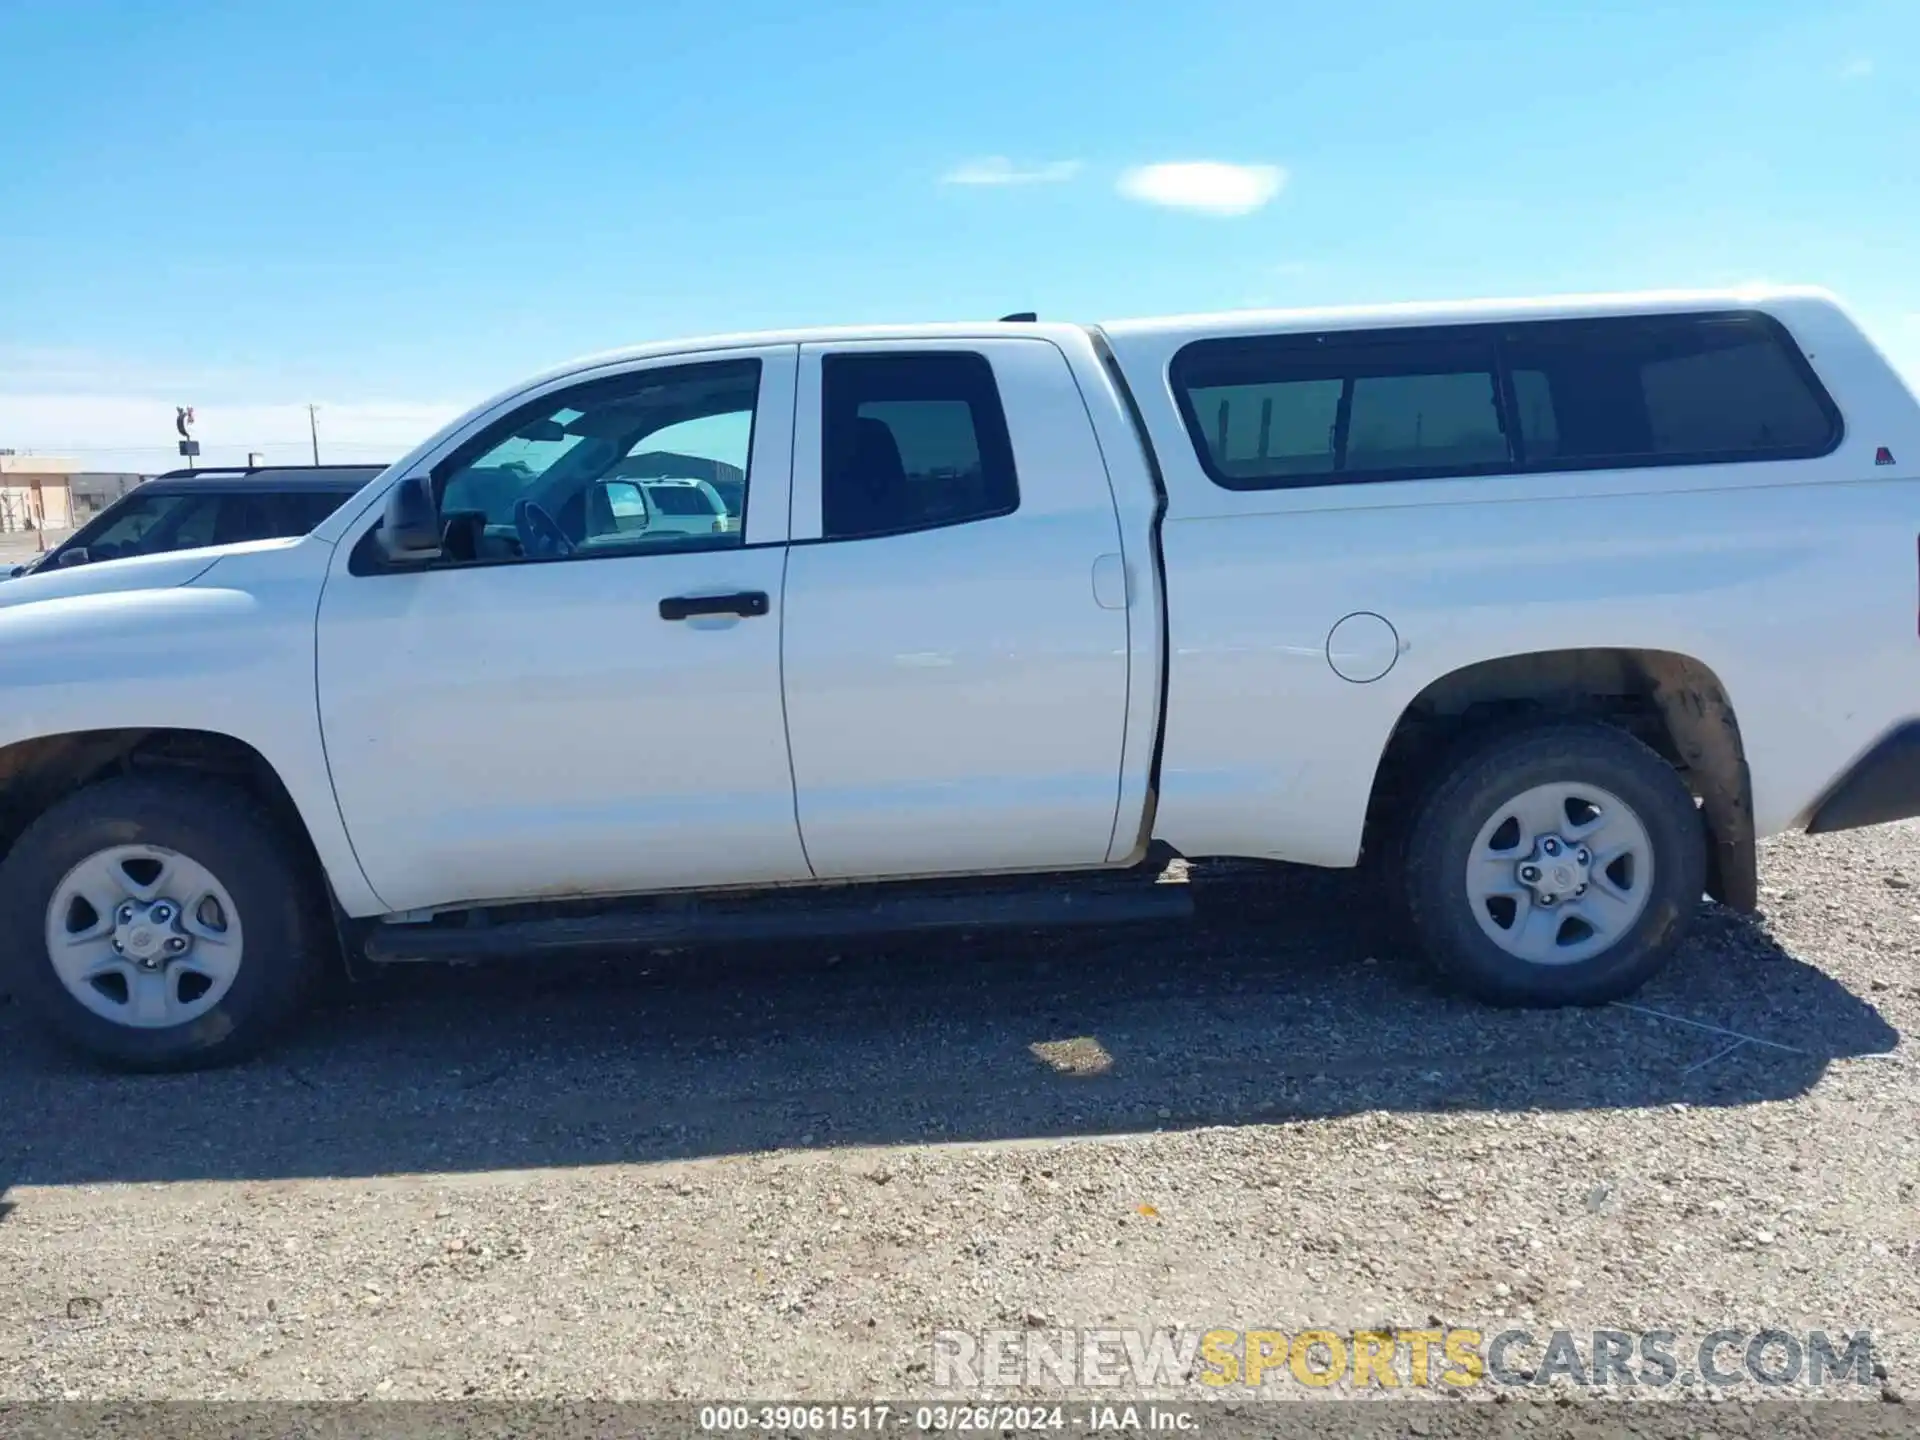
x=780, y=915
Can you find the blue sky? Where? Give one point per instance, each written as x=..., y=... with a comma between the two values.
x=392, y=209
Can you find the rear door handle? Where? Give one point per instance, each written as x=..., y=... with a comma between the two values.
x=744, y=603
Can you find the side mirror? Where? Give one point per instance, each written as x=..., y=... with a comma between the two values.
x=410, y=531
x=76, y=556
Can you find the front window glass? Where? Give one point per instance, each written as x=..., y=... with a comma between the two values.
x=571, y=471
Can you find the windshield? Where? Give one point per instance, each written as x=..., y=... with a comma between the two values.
x=142, y=524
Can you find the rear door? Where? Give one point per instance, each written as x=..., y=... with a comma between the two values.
x=955, y=643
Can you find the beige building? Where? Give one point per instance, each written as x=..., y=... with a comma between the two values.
x=36, y=492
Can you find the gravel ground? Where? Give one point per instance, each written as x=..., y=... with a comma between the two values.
x=777, y=1175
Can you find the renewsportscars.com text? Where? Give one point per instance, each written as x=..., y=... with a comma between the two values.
x=1456, y=1357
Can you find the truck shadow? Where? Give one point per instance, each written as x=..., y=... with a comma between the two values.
x=1285, y=1001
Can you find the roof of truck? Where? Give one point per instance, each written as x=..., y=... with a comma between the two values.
x=1481, y=312
x=1336, y=317
x=1150, y=340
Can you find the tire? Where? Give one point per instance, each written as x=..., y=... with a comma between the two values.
x=1643, y=877
x=252, y=927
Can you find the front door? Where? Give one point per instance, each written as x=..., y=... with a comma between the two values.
x=956, y=677
x=575, y=700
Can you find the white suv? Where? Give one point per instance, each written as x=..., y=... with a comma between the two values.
x=686, y=506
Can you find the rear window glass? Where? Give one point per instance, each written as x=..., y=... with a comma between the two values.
x=679, y=500
x=1666, y=389
x=1284, y=428
x=912, y=442
x=1477, y=400
x=1345, y=407
x=1422, y=421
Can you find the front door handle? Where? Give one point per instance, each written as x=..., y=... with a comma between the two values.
x=744, y=603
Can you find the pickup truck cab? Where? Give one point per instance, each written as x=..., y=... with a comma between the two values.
x=1547, y=608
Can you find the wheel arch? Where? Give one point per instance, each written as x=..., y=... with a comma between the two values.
x=1673, y=702
x=37, y=773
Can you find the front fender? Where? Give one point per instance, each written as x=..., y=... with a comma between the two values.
x=225, y=646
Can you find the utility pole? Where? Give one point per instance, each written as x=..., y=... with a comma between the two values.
x=313, y=430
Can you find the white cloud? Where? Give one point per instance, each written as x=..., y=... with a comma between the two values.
x=130, y=432
x=1858, y=69
x=1211, y=187
x=999, y=170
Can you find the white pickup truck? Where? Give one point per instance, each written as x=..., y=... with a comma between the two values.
x=1550, y=608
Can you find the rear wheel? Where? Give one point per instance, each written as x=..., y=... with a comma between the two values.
x=1559, y=865
x=160, y=923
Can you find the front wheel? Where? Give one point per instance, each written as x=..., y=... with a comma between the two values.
x=1559, y=865
x=159, y=924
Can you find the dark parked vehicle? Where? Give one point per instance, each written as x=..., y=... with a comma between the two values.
x=186, y=509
